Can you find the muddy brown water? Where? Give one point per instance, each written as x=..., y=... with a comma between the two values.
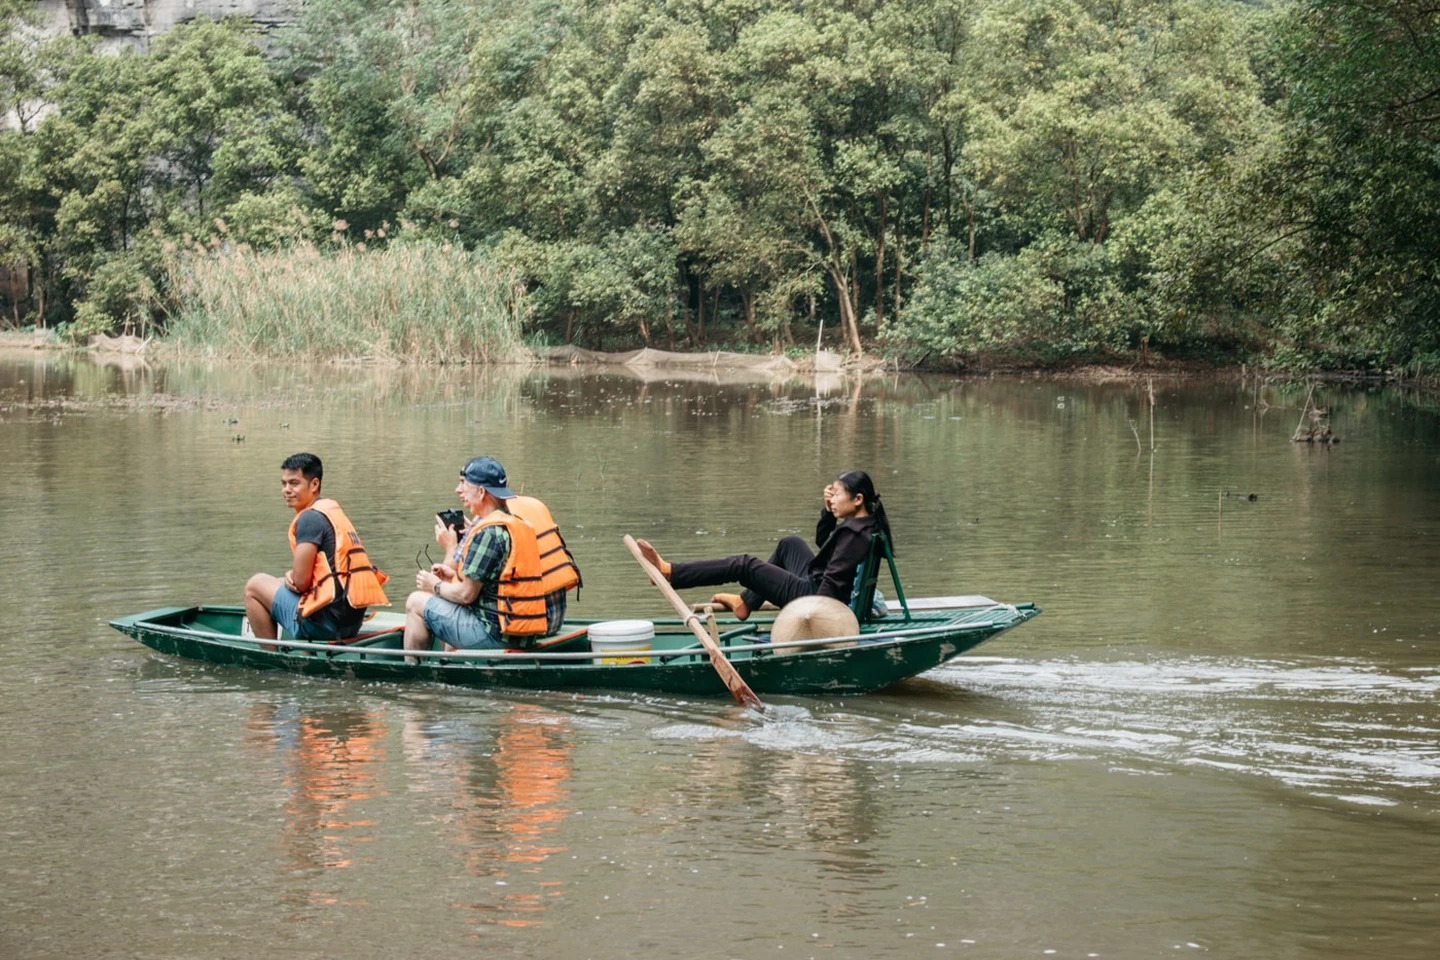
x=1219, y=738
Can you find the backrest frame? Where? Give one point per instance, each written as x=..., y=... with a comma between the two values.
x=867, y=574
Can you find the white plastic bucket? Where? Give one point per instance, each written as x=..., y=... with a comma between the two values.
x=616, y=638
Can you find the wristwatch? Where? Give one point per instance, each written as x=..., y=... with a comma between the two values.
x=437, y=588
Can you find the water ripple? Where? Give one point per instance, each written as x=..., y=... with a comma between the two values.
x=1332, y=727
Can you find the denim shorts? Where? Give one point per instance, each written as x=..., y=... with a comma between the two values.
x=285, y=611
x=463, y=627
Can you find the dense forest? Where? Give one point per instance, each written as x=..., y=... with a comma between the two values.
x=950, y=183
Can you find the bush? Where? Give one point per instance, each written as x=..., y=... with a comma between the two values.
x=119, y=294
x=1052, y=301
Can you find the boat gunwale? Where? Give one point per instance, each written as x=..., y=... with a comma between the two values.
x=578, y=658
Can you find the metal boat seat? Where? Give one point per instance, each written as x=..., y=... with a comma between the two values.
x=862, y=594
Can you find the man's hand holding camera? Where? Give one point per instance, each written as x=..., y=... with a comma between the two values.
x=448, y=524
x=446, y=536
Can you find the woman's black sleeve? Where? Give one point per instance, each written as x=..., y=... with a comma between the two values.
x=824, y=527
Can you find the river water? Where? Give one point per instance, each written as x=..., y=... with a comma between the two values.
x=1219, y=738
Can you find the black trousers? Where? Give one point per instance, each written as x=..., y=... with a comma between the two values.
x=782, y=579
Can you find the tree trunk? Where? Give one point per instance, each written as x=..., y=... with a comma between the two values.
x=747, y=300
x=880, y=269
x=697, y=335
x=692, y=288
x=848, y=323
x=925, y=219
x=899, y=272
x=948, y=179
x=841, y=277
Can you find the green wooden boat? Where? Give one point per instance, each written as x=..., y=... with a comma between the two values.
x=896, y=640
x=912, y=638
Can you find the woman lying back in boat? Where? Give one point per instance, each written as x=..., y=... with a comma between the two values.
x=851, y=516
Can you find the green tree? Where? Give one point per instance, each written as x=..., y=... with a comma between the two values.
x=1084, y=107
x=622, y=284
x=1197, y=254
x=394, y=101
x=95, y=151
x=221, y=131
x=738, y=221
x=1359, y=179
x=142, y=152
x=25, y=76
x=797, y=74
x=1088, y=124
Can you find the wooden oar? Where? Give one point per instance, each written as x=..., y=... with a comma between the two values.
x=733, y=681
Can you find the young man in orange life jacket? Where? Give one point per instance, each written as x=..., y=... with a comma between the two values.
x=331, y=580
x=504, y=578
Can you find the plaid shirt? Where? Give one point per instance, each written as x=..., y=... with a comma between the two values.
x=484, y=562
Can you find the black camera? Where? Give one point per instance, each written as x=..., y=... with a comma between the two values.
x=454, y=519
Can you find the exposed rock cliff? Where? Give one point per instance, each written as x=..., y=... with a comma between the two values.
x=135, y=22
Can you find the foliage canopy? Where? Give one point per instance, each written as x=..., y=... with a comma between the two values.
x=952, y=181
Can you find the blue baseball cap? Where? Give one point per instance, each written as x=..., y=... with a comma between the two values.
x=486, y=472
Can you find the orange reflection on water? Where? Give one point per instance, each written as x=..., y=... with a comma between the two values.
x=329, y=765
x=507, y=804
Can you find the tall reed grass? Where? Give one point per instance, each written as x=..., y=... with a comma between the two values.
x=407, y=302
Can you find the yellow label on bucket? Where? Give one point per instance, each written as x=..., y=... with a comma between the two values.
x=620, y=660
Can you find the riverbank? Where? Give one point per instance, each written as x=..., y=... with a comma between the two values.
x=733, y=363
x=30, y=340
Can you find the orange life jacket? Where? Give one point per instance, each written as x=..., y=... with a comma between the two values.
x=558, y=570
x=354, y=578
x=520, y=599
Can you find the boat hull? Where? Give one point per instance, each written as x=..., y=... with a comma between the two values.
x=878, y=658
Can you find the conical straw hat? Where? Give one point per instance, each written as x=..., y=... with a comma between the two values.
x=811, y=618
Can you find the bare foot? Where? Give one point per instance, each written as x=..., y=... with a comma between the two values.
x=652, y=555
x=733, y=603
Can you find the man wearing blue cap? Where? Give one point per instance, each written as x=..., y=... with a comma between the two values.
x=486, y=595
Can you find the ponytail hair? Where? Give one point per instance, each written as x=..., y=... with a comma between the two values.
x=858, y=483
